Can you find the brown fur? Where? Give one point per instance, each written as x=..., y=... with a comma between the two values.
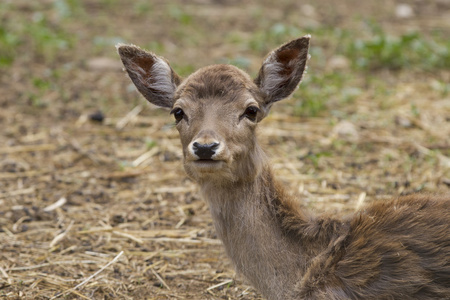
x=397, y=249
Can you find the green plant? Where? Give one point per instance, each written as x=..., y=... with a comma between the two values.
x=315, y=157
x=179, y=14
x=47, y=39
x=415, y=110
x=68, y=8
x=150, y=143
x=406, y=51
x=142, y=7
x=8, y=43
x=184, y=69
x=155, y=46
x=319, y=90
x=277, y=34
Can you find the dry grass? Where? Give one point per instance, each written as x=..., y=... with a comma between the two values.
x=102, y=210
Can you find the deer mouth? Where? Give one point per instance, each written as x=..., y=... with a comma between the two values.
x=207, y=161
x=207, y=164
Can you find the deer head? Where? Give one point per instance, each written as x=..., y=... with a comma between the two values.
x=217, y=108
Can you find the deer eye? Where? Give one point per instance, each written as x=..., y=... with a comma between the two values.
x=251, y=113
x=178, y=113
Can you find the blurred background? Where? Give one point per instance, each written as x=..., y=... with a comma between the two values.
x=88, y=169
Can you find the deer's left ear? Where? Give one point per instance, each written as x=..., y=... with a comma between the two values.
x=283, y=69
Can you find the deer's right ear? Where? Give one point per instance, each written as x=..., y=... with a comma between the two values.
x=151, y=74
x=283, y=69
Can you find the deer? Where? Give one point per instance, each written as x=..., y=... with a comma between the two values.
x=390, y=249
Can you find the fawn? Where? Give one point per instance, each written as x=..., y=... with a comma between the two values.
x=396, y=249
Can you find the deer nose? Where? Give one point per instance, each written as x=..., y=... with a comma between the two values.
x=205, y=151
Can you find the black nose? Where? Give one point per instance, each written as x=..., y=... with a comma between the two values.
x=205, y=151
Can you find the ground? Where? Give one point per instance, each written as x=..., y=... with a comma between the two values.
x=94, y=203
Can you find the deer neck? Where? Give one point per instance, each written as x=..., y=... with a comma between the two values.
x=245, y=219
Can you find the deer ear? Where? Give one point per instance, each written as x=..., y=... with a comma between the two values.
x=151, y=74
x=283, y=69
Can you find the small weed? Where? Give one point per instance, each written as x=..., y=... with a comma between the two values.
x=155, y=46
x=67, y=8
x=39, y=37
x=185, y=69
x=315, y=157
x=41, y=84
x=179, y=15
x=318, y=90
x=142, y=7
x=8, y=43
x=279, y=33
x=415, y=110
x=47, y=39
x=37, y=95
x=230, y=284
x=150, y=143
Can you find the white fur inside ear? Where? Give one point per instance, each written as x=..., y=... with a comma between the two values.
x=161, y=77
x=158, y=78
x=272, y=78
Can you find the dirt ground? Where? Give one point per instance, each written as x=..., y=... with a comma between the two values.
x=94, y=202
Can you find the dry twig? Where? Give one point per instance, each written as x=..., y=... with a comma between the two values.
x=90, y=277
